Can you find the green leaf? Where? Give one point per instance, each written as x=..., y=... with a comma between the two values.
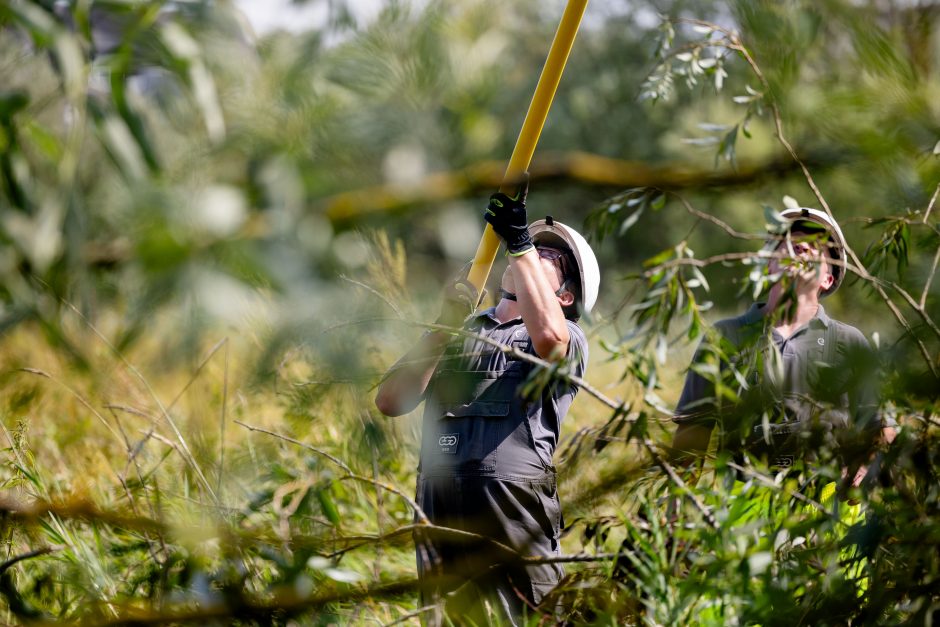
x=44, y=140
x=639, y=428
x=727, y=149
x=758, y=562
x=325, y=497
x=12, y=102
x=630, y=220
x=658, y=258
x=662, y=346
x=713, y=128
x=775, y=222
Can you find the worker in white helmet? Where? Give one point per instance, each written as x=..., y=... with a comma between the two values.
x=802, y=380
x=488, y=440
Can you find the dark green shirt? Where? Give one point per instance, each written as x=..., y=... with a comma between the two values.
x=778, y=395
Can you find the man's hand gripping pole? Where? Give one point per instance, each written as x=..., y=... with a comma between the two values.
x=531, y=129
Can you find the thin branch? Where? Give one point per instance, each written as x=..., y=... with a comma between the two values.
x=727, y=228
x=414, y=614
x=423, y=518
x=914, y=305
x=29, y=555
x=78, y=396
x=253, y=610
x=375, y=293
x=349, y=473
x=933, y=201
x=587, y=168
x=674, y=476
x=129, y=410
x=929, y=281
x=184, y=451
x=286, y=438
x=218, y=485
x=195, y=375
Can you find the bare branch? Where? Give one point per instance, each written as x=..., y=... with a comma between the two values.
x=701, y=215
x=375, y=293
x=929, y=281
x=414, y=614
x=933, y=201
x=77, y=396
x=586, y=168
x=349, y=473
x=390, y=488
x=184, y=451
x=28, y=555
x=286, y=438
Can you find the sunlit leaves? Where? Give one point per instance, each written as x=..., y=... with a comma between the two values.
x=893, y=244
x=702, y=59
x=621, y=212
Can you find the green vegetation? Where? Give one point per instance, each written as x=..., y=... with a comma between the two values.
x=212, y=245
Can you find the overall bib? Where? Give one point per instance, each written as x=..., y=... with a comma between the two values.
x=482, y=472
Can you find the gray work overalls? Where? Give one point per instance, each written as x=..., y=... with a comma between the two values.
x=486, y=469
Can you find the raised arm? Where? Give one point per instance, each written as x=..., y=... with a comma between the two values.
x=539, y=306
x=534, y=279
x=403, y=386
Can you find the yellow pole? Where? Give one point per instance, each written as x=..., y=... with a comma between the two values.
x=531, y=129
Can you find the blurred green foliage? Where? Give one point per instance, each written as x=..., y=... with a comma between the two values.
x=200, y=226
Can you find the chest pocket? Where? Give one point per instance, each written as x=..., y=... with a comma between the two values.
x=478, y=410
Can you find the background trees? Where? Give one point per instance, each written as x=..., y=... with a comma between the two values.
x=200, y=226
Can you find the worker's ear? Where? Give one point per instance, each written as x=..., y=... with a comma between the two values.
x=566, y=298
x=826, y=282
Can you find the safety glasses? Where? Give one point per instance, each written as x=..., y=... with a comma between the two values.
x=559, y=256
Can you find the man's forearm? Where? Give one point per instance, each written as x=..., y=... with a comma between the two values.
x=405, y=382
x=539, y=307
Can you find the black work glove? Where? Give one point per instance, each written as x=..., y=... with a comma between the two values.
x=508, y=217
x=460, y=300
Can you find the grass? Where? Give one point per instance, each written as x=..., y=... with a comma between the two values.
x=189, y=488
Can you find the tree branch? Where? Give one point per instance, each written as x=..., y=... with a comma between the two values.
x=586, y=168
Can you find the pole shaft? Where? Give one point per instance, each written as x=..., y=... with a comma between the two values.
x=531, y=129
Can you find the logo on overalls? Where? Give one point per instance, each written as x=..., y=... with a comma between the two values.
x=448, y=443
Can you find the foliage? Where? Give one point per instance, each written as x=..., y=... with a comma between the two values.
x=212, y=245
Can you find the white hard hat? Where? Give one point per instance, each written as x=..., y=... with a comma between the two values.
x=548, y=232
x=837, y=247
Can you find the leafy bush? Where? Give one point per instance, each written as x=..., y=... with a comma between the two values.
x=203, y=274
